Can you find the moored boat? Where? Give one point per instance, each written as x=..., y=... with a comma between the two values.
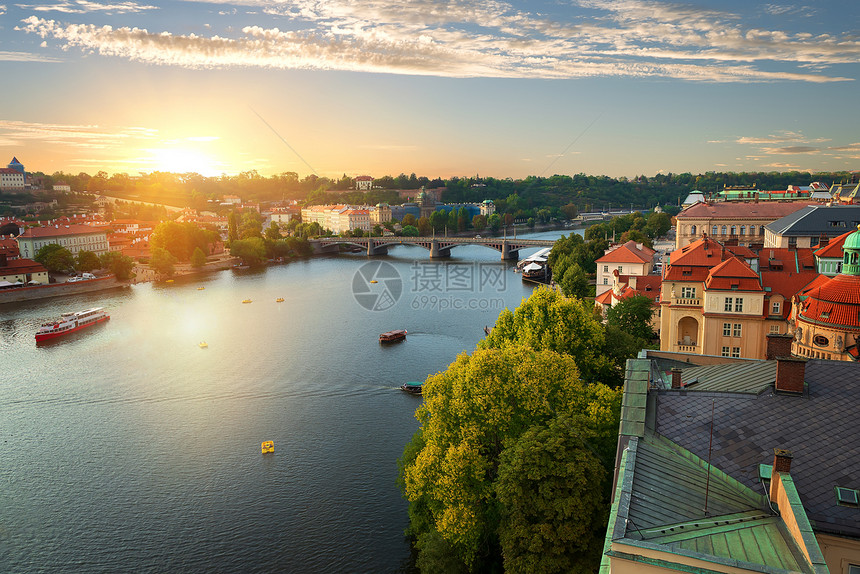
x=412, y=387
x=392, y=336
x=71, y=322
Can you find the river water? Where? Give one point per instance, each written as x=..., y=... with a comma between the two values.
x=129, y=448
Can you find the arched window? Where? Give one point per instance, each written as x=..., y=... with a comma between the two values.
x=714, y=232
x=734, y=230
x=723, y=229
x=752, y=229
x=743, y=229
x=693, y=230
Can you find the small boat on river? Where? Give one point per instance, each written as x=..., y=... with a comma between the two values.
x=246, y=301
x=70, y=323
x=412, y=387
x=393, y=336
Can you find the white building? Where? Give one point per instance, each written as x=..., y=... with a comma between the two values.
x=75, y=238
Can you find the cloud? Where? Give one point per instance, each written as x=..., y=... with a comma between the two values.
x=88, y=136
x=2, y=9
x=26, y=57
x=792, y=150
x=86, y=7
x=479, y=38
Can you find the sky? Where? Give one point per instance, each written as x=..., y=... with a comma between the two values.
x=439, y=89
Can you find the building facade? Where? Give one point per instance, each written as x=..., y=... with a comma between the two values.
x=629, y=258
x=75, y=238
x=730, y=221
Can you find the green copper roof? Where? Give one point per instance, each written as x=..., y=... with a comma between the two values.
x=661, y=505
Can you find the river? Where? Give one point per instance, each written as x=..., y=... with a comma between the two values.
x=129, y=448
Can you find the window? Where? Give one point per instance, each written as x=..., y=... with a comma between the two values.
x=714, y=230
x=688, y=292
x=853, y=569
x=734, y=230
x=774, y=329
x=606, y=268
x=692, y=230
x=739, y=305
x=728, y=306
x=723, y=230
x=775, y=308
x=725, y=352
x=820, y=340
x=736, y=332
x=620, y=269
x=761, y=229
x=847, y=496
x=743, y=229
x=736, y=352
x=727, y=329
x=606, y=281
x=792, y=242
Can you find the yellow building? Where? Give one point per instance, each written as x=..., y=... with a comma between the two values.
x=730, y=221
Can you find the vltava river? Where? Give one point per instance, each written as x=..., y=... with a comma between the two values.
x=129, y=448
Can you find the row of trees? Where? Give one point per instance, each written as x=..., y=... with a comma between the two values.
x=541, y=198
x=511, y=467
x=57, y=259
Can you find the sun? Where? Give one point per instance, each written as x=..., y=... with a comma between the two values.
x=183, y=160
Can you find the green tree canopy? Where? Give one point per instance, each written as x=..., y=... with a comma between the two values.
x=162, y=261
x=87, y=261
x=410, y=231
x=120, y=265
x=251, y=251
x=633, y=315
x=198, y=258
x=549, y=320
x=55, y=258
x=180, y=239
x=472, y=466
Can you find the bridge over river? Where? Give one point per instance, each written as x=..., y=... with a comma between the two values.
x=438, y=247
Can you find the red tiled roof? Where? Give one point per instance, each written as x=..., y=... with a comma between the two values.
x=604, y=298
x=836, y=302
x=628, y=253
x=834, y=247
x=733, y=274
x=733, y=210
x=60, y=231
x=788, y=284
x=20, y=266
x=773, y=258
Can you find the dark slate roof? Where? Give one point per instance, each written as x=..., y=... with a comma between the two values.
x=815, y=220
x=819, y=428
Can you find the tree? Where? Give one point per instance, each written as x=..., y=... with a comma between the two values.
x=468, y=470
x=424, y=227
x=251, y=251
x=162, y=261
x=273, y=232
x=549, y=320
x=55, y=258
x=633, y=315
x=495, y=222
x=479, y=222
x=550, y=475
x=573, y=281
x=408, y=219
x=120, y=265
x=251, y=225
x=87, y=261
x=198, y=258
x=232, y=227
x=410, y=231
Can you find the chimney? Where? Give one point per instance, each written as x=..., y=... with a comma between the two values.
x=778, y=345
x=790, y=372
x=781, y=460
x=676, y=378
x=781, y=463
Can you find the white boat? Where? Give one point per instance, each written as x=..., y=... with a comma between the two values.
x=71, y=322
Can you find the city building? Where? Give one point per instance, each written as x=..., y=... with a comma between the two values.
x=488, y=207
x=724, y=300
x=21, y=271
x=808, y=226
x=828, y=256
x=729, y=221
x=363, y=183
x=73, y=237
x=630, y=258
x=733, y=465
x=826, y=315
x=845, y=193
x=62, y=186
x=380, y=214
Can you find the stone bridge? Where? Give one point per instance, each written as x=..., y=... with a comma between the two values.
x=438, y=247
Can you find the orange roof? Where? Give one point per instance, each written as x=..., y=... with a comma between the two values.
x=604, y=298
x=60, y=231
x=834, y=246
x=836, y=303
x=629, y=252
x=734, y=210
x=733, y=274
x=780, y=258
x=20, y=266
x=788, y=284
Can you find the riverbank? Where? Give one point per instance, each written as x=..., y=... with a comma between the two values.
x=36, y=292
